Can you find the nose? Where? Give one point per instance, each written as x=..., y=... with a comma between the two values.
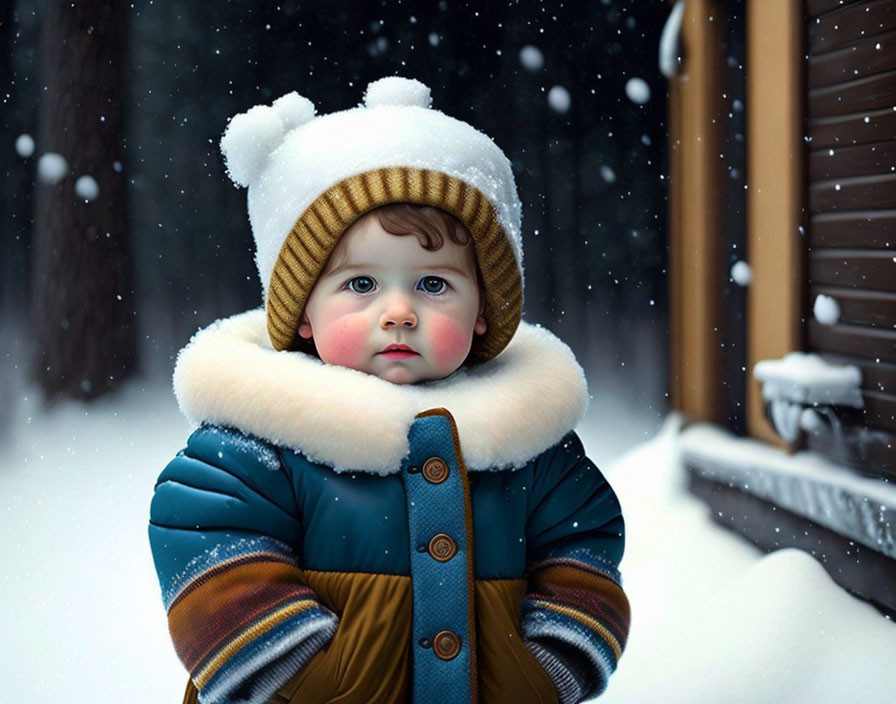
x=398, y=313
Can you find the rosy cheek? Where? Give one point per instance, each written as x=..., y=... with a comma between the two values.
x=449, y=342
x=343, y=343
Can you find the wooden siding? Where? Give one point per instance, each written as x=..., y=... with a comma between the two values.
x=857, y=307
x=851, y=169
x=871, y=228
x=849, y=25
x=869, y=56
x=853, y=340
x=849, y=162
x=861, y=95
x=853, y=268
x=867, y=192
x=814, y=8
x=844, y=130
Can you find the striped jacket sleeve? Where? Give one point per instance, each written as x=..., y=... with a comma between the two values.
x=222, y=522
x=575, y=615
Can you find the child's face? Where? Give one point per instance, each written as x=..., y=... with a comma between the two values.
x=388, y=307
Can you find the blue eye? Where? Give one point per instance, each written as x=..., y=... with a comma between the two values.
x=361, y=284
x=432, y=284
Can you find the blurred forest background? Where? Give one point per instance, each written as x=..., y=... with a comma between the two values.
x=113, y=253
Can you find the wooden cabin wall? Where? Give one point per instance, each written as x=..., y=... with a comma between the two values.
x=821, y=211
x=821, y=219
x=851, y=172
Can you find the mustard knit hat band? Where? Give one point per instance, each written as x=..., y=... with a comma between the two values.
x=317, y=231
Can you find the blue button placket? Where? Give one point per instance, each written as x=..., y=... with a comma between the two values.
x=442, y=591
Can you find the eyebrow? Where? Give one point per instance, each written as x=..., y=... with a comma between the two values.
x=447, y=268
x=371, y=267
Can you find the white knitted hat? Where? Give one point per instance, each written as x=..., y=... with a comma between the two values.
x=309, y=177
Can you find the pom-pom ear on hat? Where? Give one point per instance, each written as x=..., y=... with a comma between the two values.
x=394, y=90
x=252, y=136
x=294, y=110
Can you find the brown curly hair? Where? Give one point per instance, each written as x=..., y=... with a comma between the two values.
x=430, y=225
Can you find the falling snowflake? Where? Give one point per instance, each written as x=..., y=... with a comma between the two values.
x=87, y=188
x=531, y=58
x=559, y=99
x=51, y=168
x=741, y=273
x=637, y=90
x=25, y=145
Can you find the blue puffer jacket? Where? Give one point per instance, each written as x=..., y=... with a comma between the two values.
x=306, y=555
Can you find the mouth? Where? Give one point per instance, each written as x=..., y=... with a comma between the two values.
x=398, y=352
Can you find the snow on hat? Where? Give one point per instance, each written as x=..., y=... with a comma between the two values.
x=310, y=177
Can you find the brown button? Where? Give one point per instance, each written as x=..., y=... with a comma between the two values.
x=442, y=547
x=446, y=645
x=435, y=470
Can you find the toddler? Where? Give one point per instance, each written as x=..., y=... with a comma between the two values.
x=384, y=500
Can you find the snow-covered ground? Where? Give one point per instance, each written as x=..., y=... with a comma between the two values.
x=81, y=608
x=716, y=620
x=713, y=619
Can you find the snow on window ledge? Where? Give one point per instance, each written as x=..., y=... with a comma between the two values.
x=799, y=382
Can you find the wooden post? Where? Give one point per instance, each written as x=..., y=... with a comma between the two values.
x=696, y=172
x=776, y=186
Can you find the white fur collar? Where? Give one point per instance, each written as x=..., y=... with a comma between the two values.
x=507, y=410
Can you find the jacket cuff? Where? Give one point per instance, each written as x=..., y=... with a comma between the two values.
x=570, y=688
x=261, y=667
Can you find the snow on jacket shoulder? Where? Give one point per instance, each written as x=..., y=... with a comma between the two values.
x=373, y=569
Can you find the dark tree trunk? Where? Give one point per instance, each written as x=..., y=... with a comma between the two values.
x=7, y=155
x=82, y=296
